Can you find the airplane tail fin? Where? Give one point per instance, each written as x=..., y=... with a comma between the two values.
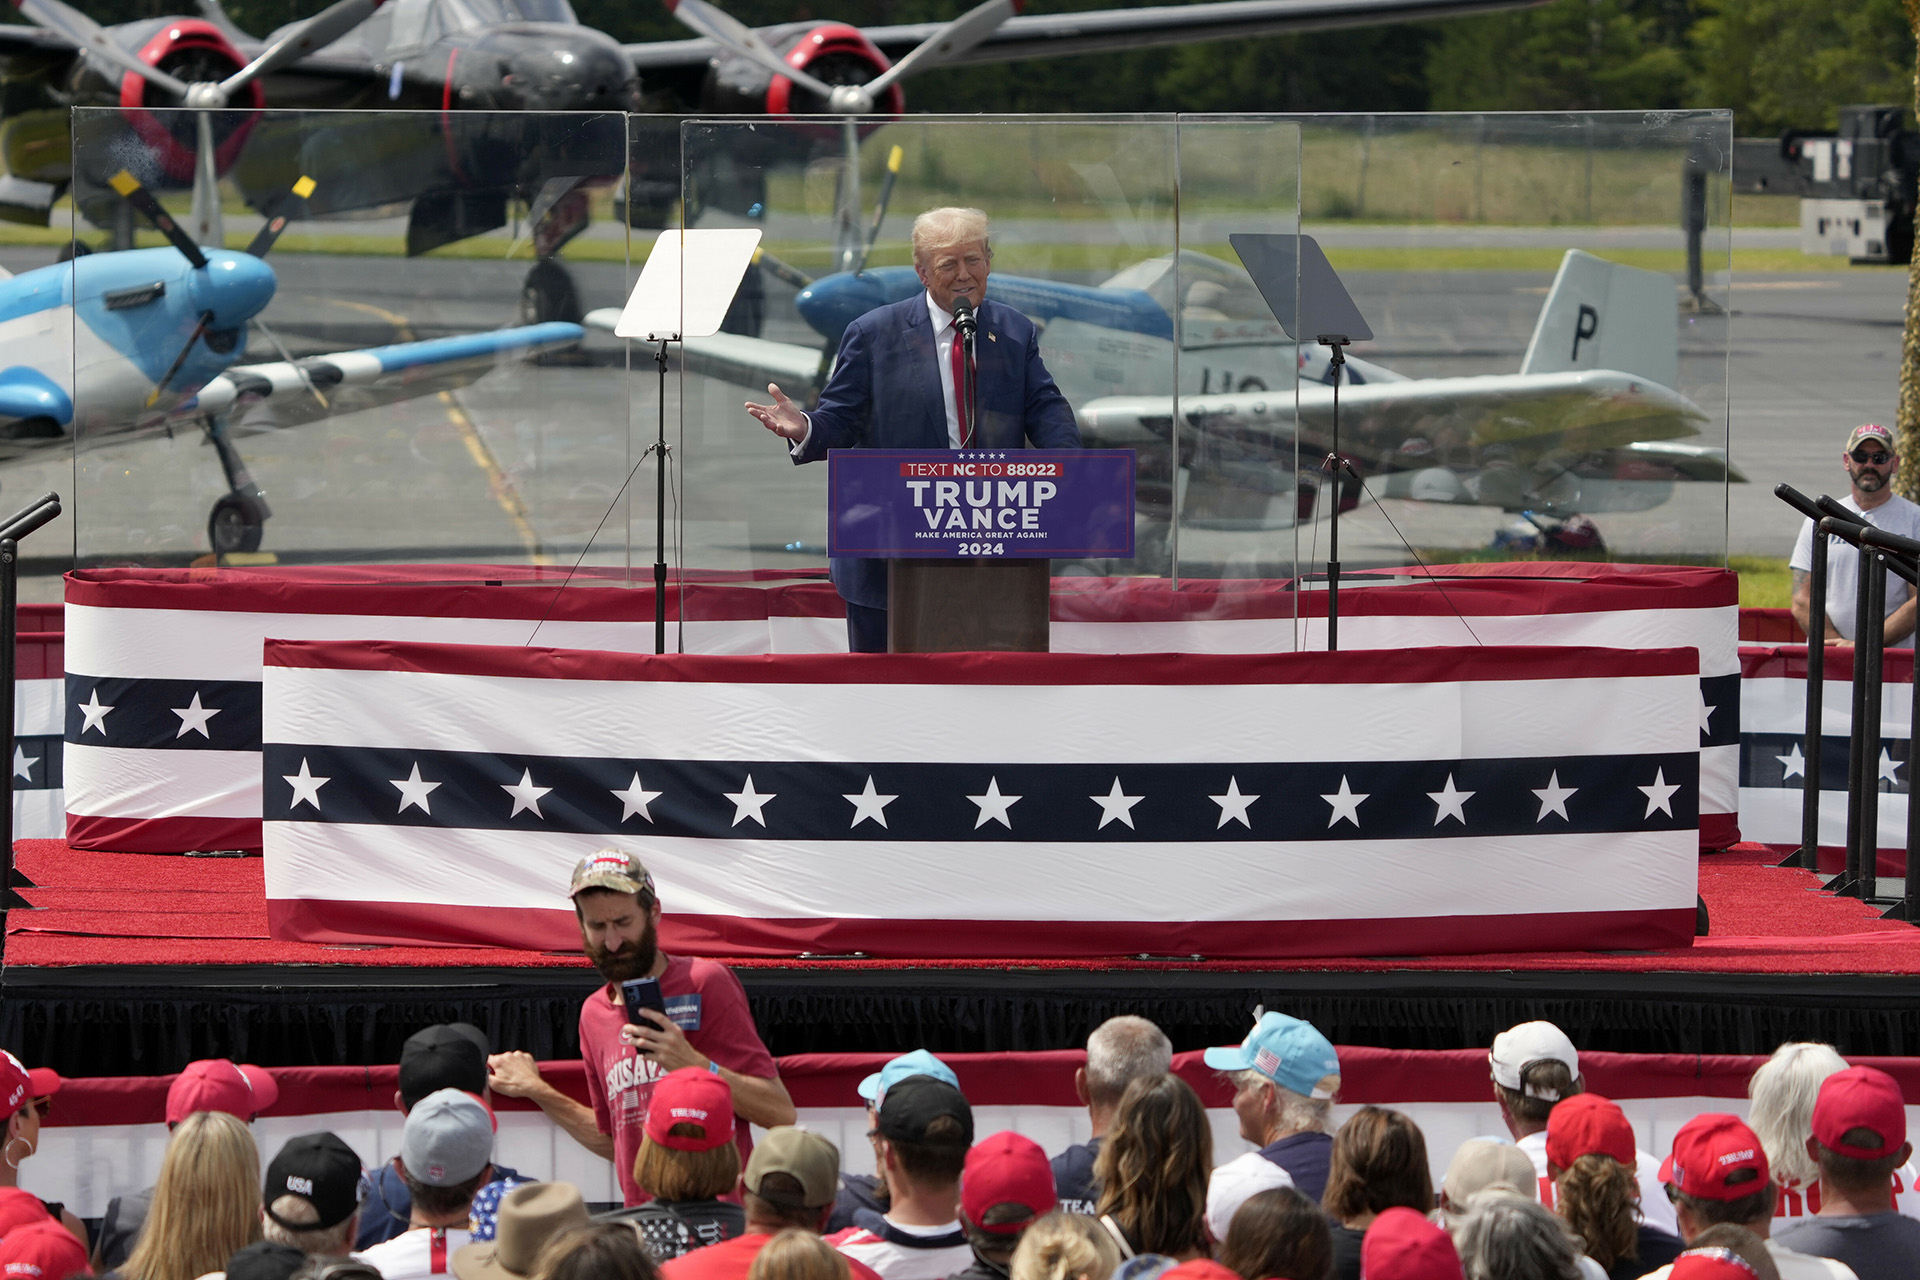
x=1601, y=315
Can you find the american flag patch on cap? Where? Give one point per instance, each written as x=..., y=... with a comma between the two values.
x=1267, y=1062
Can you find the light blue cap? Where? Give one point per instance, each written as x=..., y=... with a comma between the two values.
x=1287, y=1051
x=906, y=1066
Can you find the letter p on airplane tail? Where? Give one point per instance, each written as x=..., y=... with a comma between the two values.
x=1601, y=315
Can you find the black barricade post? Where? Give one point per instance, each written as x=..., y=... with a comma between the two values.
x=1856, y=717
x=18, y=526
x=1905, y=553
x=1815, y=746
x=1869, y=642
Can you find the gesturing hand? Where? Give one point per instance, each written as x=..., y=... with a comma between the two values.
x=782, y=417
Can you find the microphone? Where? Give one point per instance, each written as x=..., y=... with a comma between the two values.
x=963, y=314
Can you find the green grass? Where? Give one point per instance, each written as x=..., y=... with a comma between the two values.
x=1764, y=582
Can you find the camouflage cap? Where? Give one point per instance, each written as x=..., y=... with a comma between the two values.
x=613, y=869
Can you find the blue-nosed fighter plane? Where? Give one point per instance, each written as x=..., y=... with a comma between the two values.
x=142, y=341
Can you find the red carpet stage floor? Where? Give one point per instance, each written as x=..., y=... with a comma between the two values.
x=137, y=909
x=175, y=951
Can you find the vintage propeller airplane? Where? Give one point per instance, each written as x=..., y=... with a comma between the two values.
x=445, y=57
x=1590, y=423
x=121, y=345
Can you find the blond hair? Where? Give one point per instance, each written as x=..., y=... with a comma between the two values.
x=798, y=1254
x=939, y=228
x=206, y=1203
x=673, y=1176
x=1064, y=1246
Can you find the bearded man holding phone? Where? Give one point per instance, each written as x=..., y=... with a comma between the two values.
x=692, y=1014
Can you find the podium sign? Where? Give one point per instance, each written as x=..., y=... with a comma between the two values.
x=997, y=503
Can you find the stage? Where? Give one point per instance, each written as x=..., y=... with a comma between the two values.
x=175, y=951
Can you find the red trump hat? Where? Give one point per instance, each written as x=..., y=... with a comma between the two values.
x=1006, y=1168
x=1585, y=1125
x=1860, y=1098
x=691, y=1096
x=1716, y=1157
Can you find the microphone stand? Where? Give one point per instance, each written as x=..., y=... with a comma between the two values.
x=967, y=410
x=1337, y=342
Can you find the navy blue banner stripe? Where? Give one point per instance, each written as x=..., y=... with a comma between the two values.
x=809, y=800
x=37, y=763
x=163, y=713
x=1722, y=693
x=1778, y=760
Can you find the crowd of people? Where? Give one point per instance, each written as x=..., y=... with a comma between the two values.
x=1816, y=1184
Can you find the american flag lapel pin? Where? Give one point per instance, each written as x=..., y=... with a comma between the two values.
x=992, y=336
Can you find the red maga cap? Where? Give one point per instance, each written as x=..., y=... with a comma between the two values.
x=1402, y=1245
x=1709, y=1150
x=1006, y=1168
x=17, y=1084
x=1587, y=1124
x=218, y=1084
x=1712, y=1264
x=1860, y=1098
x=694, y=1096
x=20, y=1209
x=42, y=1251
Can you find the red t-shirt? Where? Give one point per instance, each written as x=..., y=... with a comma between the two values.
x=705, y=1001
x=732, y=1259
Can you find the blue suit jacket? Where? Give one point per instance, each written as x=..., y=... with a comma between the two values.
x=885, y=394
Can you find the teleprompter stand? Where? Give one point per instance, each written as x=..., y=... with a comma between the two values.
x=683, y=292
x=1306, y=297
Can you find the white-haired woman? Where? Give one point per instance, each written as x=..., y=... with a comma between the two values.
x=1783, y=1092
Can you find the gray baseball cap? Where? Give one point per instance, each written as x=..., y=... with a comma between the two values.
x=448, y=1138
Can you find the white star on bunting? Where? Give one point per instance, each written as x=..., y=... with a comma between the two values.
x=194, y=717
x=1660, y=794
x=993, y=806
x=1889, y=767
x=869, y=804
x=1116, y=805
x=1554, y=797
x=306, y=786
x=748, y=803
x=1706, y=713
x=1233, y=806
x=23, y=763
x=415, y=792
x=526, y=795
x=1450, y=803
x=1345, y=802
x=1795, y=763
x=96, y=713
x=635, y=799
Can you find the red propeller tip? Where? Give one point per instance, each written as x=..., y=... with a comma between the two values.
x=1019, y=6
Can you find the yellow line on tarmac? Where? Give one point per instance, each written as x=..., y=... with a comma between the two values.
x=498, y=482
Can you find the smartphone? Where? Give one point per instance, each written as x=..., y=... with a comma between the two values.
x=642, y=993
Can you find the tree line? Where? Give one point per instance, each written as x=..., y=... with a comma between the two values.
x=1779, y=64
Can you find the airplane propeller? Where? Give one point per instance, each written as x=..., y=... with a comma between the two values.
x=849, y=100
x=130, y=189
x=204, y=96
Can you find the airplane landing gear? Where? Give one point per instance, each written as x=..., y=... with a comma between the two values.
x=235, y=526
x=549, y=294
x=239, y=518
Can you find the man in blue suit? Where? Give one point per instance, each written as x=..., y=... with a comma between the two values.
x=893, y=387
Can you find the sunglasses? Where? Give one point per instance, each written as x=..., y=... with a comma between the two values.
x=1879, y=458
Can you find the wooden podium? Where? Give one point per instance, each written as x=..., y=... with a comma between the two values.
x=957, y=605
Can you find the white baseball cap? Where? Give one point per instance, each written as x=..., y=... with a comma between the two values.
x=1236, y=1182
x=1517, y=1048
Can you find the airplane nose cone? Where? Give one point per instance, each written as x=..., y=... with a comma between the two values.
x=236, y=287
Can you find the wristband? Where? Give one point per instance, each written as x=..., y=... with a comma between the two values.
x=713, y=1066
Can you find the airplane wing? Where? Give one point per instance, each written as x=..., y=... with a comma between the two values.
x=1110, y=30
x=1575, y=440
x=287, y=393
x=743, y=361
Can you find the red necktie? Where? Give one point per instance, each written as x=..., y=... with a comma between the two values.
x=960, y=388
